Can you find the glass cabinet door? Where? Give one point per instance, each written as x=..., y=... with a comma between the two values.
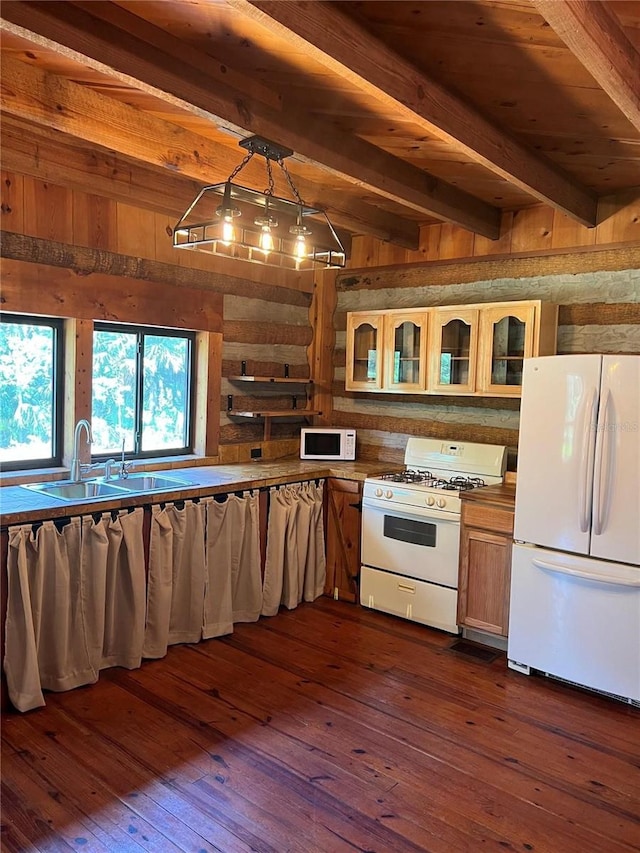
x=506, y=340
x=453, y=351
x=364, y=352
x=405, y=352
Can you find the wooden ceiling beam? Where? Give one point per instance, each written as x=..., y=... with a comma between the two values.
x=346, y=48
x=73, y=33
x=592, y=32
x=57, y=104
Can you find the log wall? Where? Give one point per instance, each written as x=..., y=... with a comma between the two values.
x=597, y=288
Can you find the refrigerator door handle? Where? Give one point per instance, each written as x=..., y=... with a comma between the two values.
x=588, y=449
x=590, y=576
x=602, y=466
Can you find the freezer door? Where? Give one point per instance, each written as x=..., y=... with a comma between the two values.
x=576, y=618
x=615, y=531
x=556, y=451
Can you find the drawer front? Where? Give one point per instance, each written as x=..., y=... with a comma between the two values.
x=411, y=599
x=487, y=518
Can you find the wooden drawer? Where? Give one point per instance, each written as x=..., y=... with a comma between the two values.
x=487, y=517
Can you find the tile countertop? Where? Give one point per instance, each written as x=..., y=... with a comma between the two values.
x=19, y=505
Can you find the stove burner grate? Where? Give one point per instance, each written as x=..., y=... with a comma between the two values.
x=426, y=478
x=463, y=484
x=408, y=476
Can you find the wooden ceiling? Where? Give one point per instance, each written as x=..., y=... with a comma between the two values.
x=400, y=113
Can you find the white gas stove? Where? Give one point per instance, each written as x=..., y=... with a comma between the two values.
x=411, y=528
x=436, y=473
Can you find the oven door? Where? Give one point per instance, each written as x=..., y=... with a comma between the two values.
x=411, y=541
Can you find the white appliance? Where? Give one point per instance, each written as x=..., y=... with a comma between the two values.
x=575, y=578
x=411, y=528
x=331, y=443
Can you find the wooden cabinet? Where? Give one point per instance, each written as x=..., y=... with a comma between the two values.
x=453, y=350
x=343, y=521
x=405, y=351
x=509, y=333
x=364, y=351
x=484, y=582
x=466, y=349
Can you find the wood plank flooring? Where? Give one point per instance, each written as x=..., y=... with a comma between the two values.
x=329, y=728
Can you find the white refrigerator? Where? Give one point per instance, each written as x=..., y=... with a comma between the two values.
x=575, y=582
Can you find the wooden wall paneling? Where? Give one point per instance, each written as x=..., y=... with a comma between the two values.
x=455, y=242
x=94, y=221
x=12, y=201
x=136, y=231
x=48, y=211
x=364, y=251
x=532, y=229
x=567, y=233
x=208, y=377
x=390, y=253
x=501, y=246
x=430, y=242
x=619, y=218
x=78, y=370
x=164, y=249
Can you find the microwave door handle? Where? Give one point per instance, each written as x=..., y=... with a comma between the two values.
x=602, y=466
x=586, y=463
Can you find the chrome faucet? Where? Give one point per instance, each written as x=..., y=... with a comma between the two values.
x=76, y=465
x=125, y=467
x=108, y=465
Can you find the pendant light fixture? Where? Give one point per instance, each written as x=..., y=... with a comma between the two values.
x=233, y=221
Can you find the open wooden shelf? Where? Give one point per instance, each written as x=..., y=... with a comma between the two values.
x=270, y=414
x=275, y=380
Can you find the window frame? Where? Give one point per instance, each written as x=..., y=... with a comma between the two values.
x=57, y=392
x=140, y=331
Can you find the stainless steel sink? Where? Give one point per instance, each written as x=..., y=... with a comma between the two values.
x=147, y=483
x=76, y=491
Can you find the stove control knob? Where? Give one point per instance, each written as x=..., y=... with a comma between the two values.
x=388, y=494
x=378, y=493
x=441, y=502
x=431, y=500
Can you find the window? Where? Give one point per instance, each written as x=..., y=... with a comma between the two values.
x=141, y=391
x=31, y=371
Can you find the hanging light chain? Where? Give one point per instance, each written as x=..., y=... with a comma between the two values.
x=270, y=189
x=240, y=166
x=295, y=192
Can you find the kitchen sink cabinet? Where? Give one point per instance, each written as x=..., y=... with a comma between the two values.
x=343, y=514
x=463, y=349
x=486, y=536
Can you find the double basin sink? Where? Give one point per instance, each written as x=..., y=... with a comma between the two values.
x=100, y=488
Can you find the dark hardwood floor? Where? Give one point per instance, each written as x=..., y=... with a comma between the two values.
x=329, y=729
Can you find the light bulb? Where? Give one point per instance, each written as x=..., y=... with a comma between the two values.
x=228, y=231
x=266, y=239
x=300, y=248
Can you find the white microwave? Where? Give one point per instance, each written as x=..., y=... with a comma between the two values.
x=327, y=443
